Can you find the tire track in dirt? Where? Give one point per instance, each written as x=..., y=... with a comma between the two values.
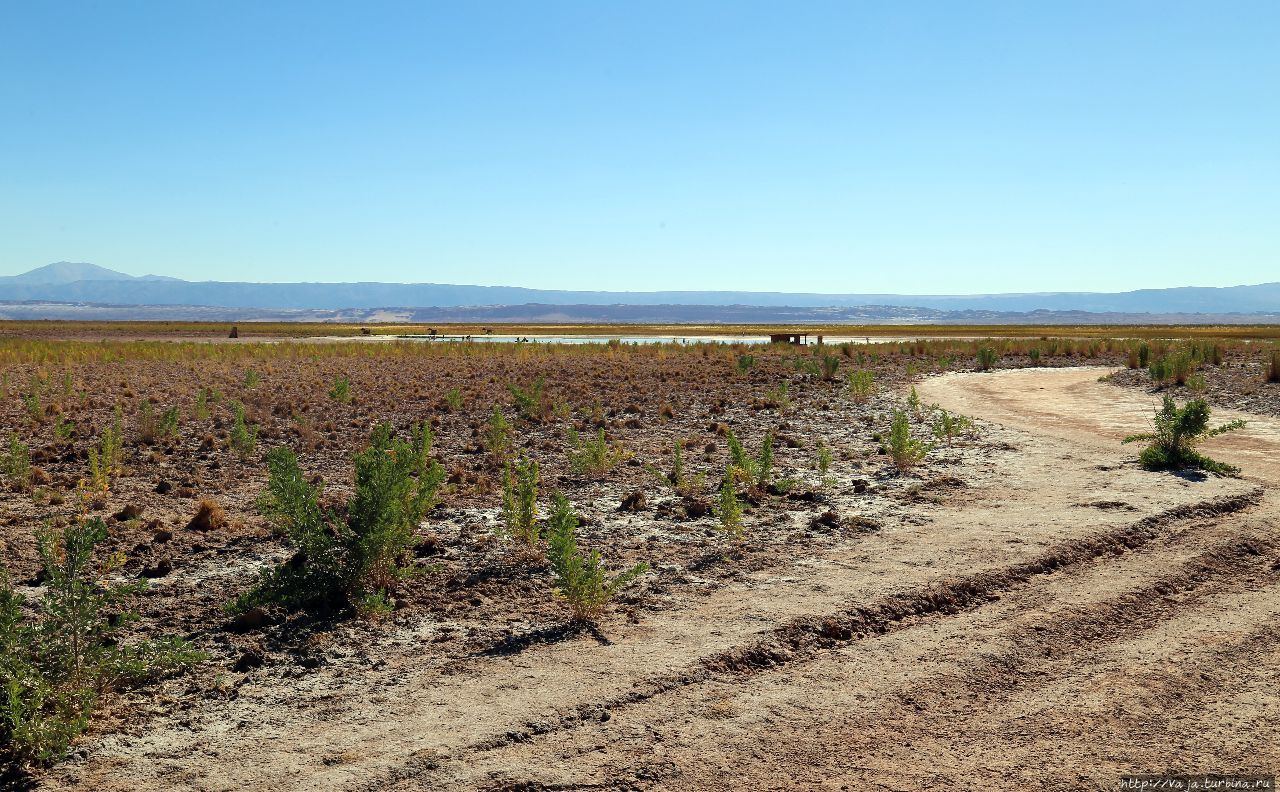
x=802, y=639
x=1235, y=559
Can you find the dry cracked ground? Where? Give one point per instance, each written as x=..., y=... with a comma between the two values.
x=1063, y=619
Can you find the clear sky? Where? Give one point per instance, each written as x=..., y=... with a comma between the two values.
x=787, y=146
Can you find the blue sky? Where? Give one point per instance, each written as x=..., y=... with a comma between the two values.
x=842, y=147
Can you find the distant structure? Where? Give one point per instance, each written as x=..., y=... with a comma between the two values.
x=798, y=339
x=235, y=333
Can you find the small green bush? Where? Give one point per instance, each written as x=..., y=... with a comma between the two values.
x=1177, y=432
x=860, y=385
x=352, y=561
x=729, y=510
x=341, y=390
x=497, y=436
x=55, y=666
x=947, y=426
x=15, y=463
x=251, y=378
x=153, y=427
x=905, y=450
x=532, y=402
x=987, y=358
x=453, y=399
x=580, y=579
x=830, y=367
x=764, y=463
x=741, y=465
x=244, y=437
x=779, y=397
x=520, y=500
x=595, y=456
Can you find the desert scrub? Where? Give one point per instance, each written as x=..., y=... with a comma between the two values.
x=779, y=397
x=153, y=426
x=106, y=457
x=764, y=463
x=244, y=437
x=830, y=367
x=987, y=358
x=729, y=510
x=453, y=400
x=1177, y=432
x=594, y=457
x=746, y=363
x=341, y=390
x=532, y=402
x=56, y=665
x=201, y=408
x=15, y=463
x=352, y=561
x=251, y=378
x=497, y=436
x=580, y=579
x=860, y=385
x=741, y=465
x=520, y=501
x=947, y=426
x=905, y=450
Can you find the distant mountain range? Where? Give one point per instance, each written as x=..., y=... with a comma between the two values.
x=79, y=288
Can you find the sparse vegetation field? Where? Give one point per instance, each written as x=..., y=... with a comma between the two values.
x=428, y=565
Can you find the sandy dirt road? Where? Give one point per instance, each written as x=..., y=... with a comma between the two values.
x=1060, y=619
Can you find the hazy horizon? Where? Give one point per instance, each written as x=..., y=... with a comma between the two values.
x=822, y=148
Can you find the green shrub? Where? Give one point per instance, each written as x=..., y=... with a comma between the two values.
x=106, y=459
x=16, y=463
x=520, y=500
x=153, y=427
x=860, y=384
x=63, y=430
x=341, y=390
x=532, y=402
x=55, y=667
x=1161, y=370
x=779, y=397
x=1177, y=432
x=35, y=410
x=251, y=378
x=1182, y=366
x=453, y=398
x=741, y=465
x=913, y=400
x=746, y=363
x=497, y=436
x=824, y=458
x=595, y=456
x=947, y=426
x=201, y=411
x=987, y=358
x=764, y=463
x=729, y=510
x=905, y=450
x=244, y=437
x=1144, y=356
x=830, y=367
x=352, y=561
x=579, y=578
